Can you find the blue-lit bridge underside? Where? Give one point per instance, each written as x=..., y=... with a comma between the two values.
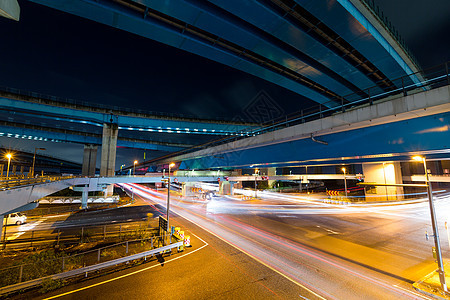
x=33, y=117
x=322, y=50
x=395, y=129
x=395, y=141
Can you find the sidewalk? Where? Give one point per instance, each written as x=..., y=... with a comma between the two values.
x=431, y=286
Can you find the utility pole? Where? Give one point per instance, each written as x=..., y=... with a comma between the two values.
x=34, y=159
x=345, y=182
x=434, y=225
x=168, y=196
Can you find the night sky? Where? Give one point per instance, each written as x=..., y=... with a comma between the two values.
x=55, y=53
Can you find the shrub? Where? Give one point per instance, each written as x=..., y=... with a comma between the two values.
x=49, y=284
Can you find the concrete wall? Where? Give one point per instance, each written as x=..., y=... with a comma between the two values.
x=384, y=173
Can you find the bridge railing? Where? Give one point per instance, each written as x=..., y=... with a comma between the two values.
x=391, y=28
x=14, y=182
x=113, y=109
x=432, y=78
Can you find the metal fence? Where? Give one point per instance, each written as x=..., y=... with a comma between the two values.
x=53, y=262
x=76, y=235
x=71, y=208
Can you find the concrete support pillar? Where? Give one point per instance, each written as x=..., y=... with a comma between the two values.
x=109, y=144
x=225, y=188
x=186, y=190
x=271, y=172
x=109, y=190
x=385, y=173
x=237, y=172
x=89, y=160
x=84, y=197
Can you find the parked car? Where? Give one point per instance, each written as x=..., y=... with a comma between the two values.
x=15, y=218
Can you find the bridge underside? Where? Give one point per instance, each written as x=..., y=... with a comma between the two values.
x=389, y=130
x=322, y=50
x=396, y=141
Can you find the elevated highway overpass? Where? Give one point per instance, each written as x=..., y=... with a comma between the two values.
x=388, y=129
x=320, y=50
x=331, y=53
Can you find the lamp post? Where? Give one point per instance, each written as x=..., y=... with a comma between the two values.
x=8, y=156
x=34, y=160
x=134, y=167
x=168, y=195
x=345, y=182
x=434, y=225
x=256, y=175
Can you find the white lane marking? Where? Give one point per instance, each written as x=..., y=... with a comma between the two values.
x=123, y=276
x=24, y=228
x=254, y=257
x=328, y=230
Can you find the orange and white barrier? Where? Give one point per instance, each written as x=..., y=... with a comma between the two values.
x=187, y=241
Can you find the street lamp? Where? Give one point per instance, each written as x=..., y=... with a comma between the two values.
x=171, y=165
x=434, y=224
x=8, y=156
x=345, y=182
x=34, y=160
x=134, y=167
x=256, y=175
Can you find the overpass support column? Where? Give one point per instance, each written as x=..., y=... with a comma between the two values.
x=384, y=173
x=271, y=172
x=89, y=160
x=238, y=172
x=225, y=188
x=186, y=190
x=84, y=197
x=109, y=145
x=108, y=160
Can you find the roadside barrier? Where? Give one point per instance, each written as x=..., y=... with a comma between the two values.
x=95, y=264
x=187, y=241
x=179, y=235
x=338, y=202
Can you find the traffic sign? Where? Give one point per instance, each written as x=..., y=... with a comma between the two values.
x=162, y=224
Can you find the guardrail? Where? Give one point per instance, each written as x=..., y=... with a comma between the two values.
x=12, y=278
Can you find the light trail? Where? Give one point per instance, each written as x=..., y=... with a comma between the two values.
x=303, y=250
x=268, y=259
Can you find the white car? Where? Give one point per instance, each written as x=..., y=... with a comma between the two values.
x=15, y=218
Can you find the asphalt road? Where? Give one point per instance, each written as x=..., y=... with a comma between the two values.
x=282, y=247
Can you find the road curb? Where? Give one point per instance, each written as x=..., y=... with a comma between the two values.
x=430, y=285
